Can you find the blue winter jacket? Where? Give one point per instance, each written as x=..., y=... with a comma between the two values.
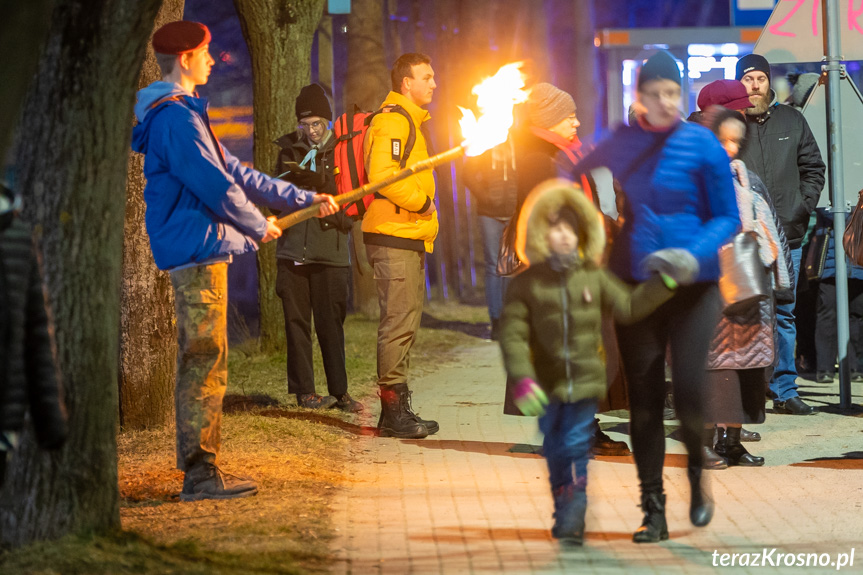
x=199, y=197
x=679, y=194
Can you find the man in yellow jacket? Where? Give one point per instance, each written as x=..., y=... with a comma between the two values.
x=399, y=227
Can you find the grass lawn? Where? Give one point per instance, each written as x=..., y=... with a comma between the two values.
x=298, y=457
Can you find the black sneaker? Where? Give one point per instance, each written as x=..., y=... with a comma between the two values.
x=315, y=401
x=206, y=481
x=347, y=403
x=824, y=377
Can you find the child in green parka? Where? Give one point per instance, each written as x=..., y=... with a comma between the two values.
x=551, y=331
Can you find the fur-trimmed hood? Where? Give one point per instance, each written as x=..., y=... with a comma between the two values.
x=548, y=198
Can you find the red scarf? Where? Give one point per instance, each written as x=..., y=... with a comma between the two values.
x=572, y=149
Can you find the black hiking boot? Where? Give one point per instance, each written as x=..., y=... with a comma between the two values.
x=347, y=403
x=315, y=401
x=206, y=481
x=653, y=528
x=397, y=419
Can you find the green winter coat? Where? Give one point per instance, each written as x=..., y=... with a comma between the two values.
x=551, y=322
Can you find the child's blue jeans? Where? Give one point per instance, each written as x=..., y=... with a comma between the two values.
x=568, y=429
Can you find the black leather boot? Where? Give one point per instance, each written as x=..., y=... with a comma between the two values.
x=730, y=448
x=653, y=528
x=746, y=435
x=711, y=459
x=397, y=419
x=700, y=501
x=604, y=445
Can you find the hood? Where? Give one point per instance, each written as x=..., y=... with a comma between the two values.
x=152, y=94
x=147, y=97
x=547, y=198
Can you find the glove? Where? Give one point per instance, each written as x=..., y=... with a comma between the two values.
x=307, y=179
x=529, y=397
x=675, y=265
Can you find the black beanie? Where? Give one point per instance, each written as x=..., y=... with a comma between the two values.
x=660, y=66
x=312, y=101
x=752, y=62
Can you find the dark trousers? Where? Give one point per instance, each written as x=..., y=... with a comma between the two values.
x=826, y=344
x=686, y=323
x=320, y=291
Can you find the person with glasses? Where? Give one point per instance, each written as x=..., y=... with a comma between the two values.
x=312, y=260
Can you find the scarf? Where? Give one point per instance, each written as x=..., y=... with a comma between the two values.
x=756, y=216
x=571, y=149
x=310, y=157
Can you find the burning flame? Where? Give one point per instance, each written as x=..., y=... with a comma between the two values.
x=496, y=97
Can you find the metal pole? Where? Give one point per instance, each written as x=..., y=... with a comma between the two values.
x=835, y=167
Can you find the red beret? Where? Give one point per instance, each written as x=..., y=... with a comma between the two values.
x=180, y=37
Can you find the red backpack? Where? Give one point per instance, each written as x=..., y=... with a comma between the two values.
x=351, y=128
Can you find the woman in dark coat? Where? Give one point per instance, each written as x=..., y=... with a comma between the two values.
x=742, y=354
x=548, y=147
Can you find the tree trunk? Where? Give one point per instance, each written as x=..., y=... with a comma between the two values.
x=279, y=35
x=325, y=54
x=72, y=159
x=367, y=84
x=148, y=340
x=22, y=33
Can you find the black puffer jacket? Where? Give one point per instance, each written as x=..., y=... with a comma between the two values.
x=317, y=240
x=784, y=154
x=28, y=373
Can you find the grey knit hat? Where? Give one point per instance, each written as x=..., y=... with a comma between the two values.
x=802, y=87
x=547, y=106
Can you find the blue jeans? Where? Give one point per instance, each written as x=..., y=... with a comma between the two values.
x=784, y=382
x=495, y=285
x=568, y=429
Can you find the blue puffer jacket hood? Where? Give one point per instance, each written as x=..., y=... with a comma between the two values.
x=200, y=198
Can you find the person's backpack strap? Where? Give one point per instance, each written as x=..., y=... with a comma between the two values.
x=412, y=131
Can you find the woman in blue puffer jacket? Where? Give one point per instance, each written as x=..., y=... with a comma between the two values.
x=679, y=195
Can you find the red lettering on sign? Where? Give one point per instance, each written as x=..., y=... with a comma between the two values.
x=775, y=29
x=815, y=18
x=853, y=15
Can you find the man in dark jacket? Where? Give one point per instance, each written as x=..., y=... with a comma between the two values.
x=312, y=260
x=28, y=370
x=784, y=154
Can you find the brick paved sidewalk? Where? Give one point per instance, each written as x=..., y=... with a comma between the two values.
x=475, y=499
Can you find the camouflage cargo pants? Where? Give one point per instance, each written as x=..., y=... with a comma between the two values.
x=201, y=300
